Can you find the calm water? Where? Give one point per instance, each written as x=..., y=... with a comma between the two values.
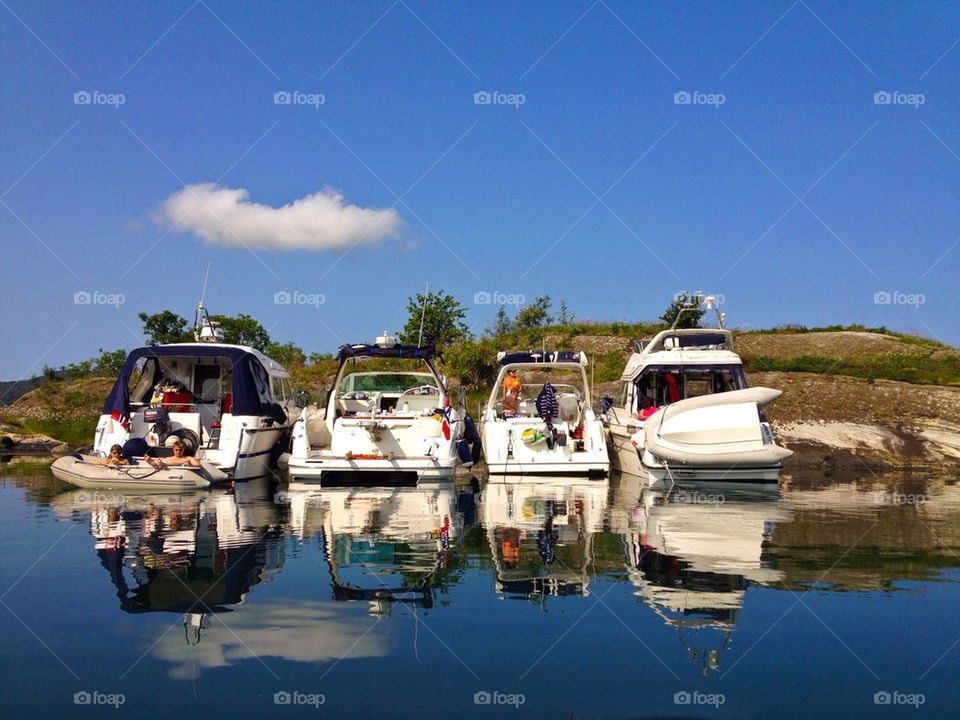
x=833, y=598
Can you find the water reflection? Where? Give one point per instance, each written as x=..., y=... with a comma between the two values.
x=313, y=575
x=692, y=555
x=541, y=532
x=381, y=545
x=196, y=553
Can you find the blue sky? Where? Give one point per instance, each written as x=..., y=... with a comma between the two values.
x=633, y=150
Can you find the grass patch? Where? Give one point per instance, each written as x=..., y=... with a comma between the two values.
x=903, y=368
x=74, y=432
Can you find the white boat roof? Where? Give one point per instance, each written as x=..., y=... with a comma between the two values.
x=688, y=346
x=272, y=366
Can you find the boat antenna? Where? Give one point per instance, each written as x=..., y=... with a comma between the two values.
x=204, y=329
x=423, y=314
x=203, y=293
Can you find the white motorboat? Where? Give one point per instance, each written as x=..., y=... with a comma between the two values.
x=385, y=426
x=684, y=412
x=565, y=439
x=230, y=405
x=88, y=471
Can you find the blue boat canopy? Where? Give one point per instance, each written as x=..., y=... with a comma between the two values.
x=250, y=382
x=537, y=357
x=424, y=352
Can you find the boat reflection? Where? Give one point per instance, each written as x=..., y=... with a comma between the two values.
x=382, y=545
x=540, y=532
x=196, y=553
x=692, y=555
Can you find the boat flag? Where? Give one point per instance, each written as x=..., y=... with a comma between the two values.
x=120, y=417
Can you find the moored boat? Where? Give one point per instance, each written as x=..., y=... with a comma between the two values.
x=384, y=426
x=88, y=471
x=684, y=412
x=230, y=405
x=551, y=427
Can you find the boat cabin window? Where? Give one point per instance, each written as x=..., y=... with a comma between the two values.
x=262, y=383
x=142, y=380
x=623, y=394
x=664, y=385
x=279, y=390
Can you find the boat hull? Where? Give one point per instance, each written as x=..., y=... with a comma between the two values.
x=332, y=470
x=85, y=471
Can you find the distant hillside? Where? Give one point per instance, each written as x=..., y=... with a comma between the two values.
x=12, y=390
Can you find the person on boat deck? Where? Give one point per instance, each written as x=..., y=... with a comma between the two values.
x=115, y=457
x=511, y=393
x=647, y=408
x=179, y=458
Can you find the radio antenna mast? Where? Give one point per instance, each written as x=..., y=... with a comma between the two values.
x=423, y=314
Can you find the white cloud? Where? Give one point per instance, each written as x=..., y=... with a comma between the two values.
x=321, y=221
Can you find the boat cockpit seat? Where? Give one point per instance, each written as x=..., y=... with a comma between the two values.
x=417, y=404
x=569, y=408
x=357, y=402
x=318, y=434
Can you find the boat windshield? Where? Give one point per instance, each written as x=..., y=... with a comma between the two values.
x=666, y=384
x=385, y=382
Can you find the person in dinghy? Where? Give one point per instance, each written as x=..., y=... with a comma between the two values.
x=178, y=459
x=116, y=457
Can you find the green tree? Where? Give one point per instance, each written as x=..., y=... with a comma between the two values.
x=109, y=362
x=287, y=354
x=691, y=306
x=501, y=325
x=565, y=317
x=534, y=315
x=442, y=316
x=243, y=330
x=164, y=327
x=316, y=358
x=473, y=363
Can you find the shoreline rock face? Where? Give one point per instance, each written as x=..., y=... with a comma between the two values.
x=43, y=445
x=834, y=445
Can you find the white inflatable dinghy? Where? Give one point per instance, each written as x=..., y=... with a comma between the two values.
x=86, y=471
